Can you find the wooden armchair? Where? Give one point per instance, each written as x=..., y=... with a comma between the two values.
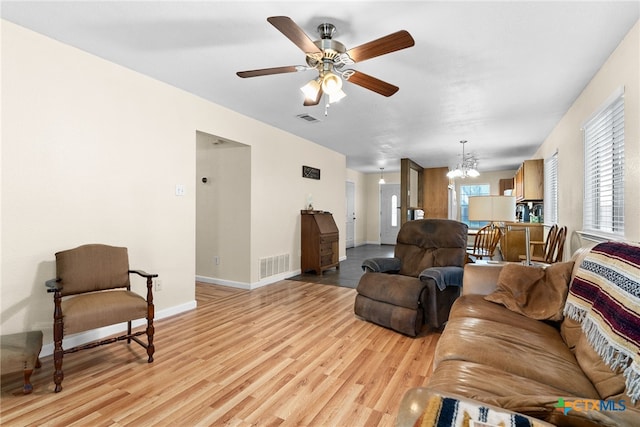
x=553, y=247
x=92, y=290
x=484, y=245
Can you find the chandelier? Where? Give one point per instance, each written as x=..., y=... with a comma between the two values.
x=466, y=168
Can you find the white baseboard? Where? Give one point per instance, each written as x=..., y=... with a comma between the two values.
x=248, y=286
x=100, y=333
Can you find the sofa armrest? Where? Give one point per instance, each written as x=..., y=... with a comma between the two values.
x=381, y=265
x=480, y=278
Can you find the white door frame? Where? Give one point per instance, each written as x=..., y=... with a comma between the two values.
x=350, y=214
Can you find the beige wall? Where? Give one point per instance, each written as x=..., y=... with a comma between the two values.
x=620, y=69
x=222, y=210
x=92, y=152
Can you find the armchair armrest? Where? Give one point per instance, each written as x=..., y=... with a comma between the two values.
x=481, y=279
x=381, y=265
x=53, y=285
x=443, y=276
x=143, y=274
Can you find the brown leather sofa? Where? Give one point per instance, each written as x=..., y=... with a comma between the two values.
x=419, y=284
x=540, y=368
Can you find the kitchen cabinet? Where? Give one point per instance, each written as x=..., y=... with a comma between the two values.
x=513, y=243
x=505, y=184
x=319, y=238
x=529, y=181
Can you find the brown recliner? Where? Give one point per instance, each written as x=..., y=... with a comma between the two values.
x=420, y=283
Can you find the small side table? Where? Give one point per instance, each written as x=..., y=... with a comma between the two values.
x=20, y=352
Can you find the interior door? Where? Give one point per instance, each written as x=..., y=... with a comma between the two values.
x=350, y=215
x=389, y=213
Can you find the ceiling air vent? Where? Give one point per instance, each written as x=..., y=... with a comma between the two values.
x=307, y=118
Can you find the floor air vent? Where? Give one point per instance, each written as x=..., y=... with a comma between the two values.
x=273, y=265
x=307, y=118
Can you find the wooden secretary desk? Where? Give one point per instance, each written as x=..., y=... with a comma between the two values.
x=320, y=238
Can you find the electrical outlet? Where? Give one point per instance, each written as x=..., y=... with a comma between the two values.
x=157, y=285
x=216, y=260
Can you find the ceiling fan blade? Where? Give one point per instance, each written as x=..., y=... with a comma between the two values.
x=387, y=44
x=311, y=102
x=294, y=33
x=268, y=71
x=371, y=83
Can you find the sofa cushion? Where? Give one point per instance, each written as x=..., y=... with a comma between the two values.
x=470, y=379
x=538, y=293
x=606, y=381
x=539, y=355
x=475, y=306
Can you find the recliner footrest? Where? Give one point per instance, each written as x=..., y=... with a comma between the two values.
x=401, y=319
x=405, y=292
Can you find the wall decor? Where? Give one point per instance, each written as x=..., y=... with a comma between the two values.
x=309, y=172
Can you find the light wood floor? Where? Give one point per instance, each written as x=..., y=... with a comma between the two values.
x=291, y=353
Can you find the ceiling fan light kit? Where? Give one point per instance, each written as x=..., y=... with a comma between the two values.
x=466, y=168
x=329, y=58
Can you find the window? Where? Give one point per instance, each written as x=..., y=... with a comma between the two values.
x=394, y=211
x=465, y=192
x=604, y=169
x=551, y=189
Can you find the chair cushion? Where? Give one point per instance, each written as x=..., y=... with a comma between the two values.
x=431, y=243
x=90, y=268
x=98, y=309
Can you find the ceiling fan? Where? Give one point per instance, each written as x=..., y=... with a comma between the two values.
x=331, y=59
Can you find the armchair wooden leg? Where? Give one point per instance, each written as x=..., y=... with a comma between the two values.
x=150, y=347
x=58, y=328
x=150, y=314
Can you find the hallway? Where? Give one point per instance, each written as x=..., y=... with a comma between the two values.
x=350, y=269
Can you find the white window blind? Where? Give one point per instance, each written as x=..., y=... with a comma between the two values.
x=604, y=170
x=551, y=189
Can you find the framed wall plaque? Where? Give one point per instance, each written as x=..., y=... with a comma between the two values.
x=309, y=172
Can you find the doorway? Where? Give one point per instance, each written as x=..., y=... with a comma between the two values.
x=350, y=213
x=389, y=213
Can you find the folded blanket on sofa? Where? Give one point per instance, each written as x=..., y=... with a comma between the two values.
x=605, y=298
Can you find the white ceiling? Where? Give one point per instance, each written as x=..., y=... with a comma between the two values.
x=498, y=74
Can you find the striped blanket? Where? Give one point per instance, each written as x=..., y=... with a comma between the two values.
x=605, y=297
x=449, y=412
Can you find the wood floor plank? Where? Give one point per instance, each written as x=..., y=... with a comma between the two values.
x=288, y=354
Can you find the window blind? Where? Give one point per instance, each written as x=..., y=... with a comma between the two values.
x=604, y=170
x=551, y=189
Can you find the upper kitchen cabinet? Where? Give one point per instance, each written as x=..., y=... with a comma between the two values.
x=529, y=181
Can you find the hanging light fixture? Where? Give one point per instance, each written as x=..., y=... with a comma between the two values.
x=466, y=168
x=381, y=181
x=328, y=83
x=311, y=90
